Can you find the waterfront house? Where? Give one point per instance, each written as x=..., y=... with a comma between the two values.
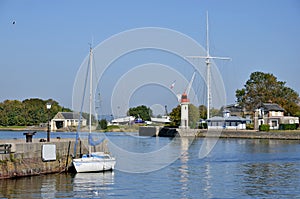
x=272, y=114
x=227, y=122
x=237, y=110
x=63, y=120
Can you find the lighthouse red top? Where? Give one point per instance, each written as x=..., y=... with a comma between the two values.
x=184, y=98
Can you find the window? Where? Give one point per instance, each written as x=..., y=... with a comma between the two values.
x=274, y=123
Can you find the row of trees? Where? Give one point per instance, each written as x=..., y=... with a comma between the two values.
x=260, y=88
x=28, y=112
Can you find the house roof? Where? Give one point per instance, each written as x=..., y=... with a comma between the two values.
x=67, y=116
x=70, y=115
x=271, y=107
x=228, y=119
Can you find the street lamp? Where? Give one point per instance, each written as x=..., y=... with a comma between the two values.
x=48, y=105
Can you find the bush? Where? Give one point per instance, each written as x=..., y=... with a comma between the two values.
x=264, y=127
x=250, y=126
x=102, y=124
x=202, y=126
x=288, y=126
x=112, y=127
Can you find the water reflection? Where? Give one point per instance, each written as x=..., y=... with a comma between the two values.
x=184, y=168
x=262, y=179
x=48, y=188
x=43, y=186
x=89, y=185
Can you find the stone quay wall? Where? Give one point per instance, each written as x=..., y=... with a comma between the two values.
x=220, y=133
x=25, y=159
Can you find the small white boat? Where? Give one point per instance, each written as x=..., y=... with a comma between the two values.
x=94, y=162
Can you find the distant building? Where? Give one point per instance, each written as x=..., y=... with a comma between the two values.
x=123, y=120
x=272, y=114
x=66, y=119
x=227, y=122
x=237, y=110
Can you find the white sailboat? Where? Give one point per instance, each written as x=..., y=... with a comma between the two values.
x=96, y=161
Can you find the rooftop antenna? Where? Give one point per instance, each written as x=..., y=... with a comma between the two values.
x=208, y=62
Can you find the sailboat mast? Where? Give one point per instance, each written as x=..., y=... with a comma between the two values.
x=208, y=68
x=91, y=93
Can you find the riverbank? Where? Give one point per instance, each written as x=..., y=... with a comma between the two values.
x=218, y=133
x=22, y=128
x=251, y=134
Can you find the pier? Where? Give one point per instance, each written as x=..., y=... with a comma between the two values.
x=19, y=158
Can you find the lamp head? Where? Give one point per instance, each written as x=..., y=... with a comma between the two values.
x=48, y=105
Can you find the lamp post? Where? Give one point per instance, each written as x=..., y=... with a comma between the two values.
x=48, y=105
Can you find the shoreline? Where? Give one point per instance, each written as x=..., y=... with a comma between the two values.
x=252, y=134
x=202, y=133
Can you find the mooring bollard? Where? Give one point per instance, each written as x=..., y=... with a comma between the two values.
x=29, y=136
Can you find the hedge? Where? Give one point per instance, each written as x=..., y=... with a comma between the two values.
x=264, y=127
x=287, y=126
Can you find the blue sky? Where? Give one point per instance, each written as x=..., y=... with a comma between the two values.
x=42, y=52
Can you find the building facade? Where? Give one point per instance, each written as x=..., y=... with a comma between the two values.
x=273, y=115
x=63, y=120
x=227, y=122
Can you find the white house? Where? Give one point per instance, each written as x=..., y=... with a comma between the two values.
x=227, y=122
x=272, y=114
x=66, y=119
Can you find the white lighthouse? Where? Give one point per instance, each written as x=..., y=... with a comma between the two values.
x=184, y=103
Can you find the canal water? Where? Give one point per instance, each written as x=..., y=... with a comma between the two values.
x=235, y=168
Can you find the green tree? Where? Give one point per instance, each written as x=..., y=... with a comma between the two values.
x=11, y=113
x=28, y=112
x=263, y=88
x=103, y=124
x=202, y=111
x=141, y=111
x=175, y=116
x=193, y=116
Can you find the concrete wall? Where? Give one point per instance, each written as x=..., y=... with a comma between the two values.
x=27, y=160
x=149, y=130
x=166, y=131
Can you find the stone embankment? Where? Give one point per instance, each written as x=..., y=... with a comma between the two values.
x=249, y=134
x=220, y=133
x=27, y=159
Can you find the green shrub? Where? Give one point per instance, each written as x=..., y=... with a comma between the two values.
x=288, y=126
x=102, y=125
x=111, y=127
x=250, y=126
x=264, y=127
x=202, y=126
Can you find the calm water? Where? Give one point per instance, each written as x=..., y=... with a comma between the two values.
x=236, y=168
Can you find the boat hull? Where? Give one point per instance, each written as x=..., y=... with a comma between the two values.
x=94, y=163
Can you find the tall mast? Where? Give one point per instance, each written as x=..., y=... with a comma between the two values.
x=91, y=93
x=208, y=68
x=207, y=62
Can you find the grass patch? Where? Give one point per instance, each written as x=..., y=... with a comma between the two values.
x=13, y=127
